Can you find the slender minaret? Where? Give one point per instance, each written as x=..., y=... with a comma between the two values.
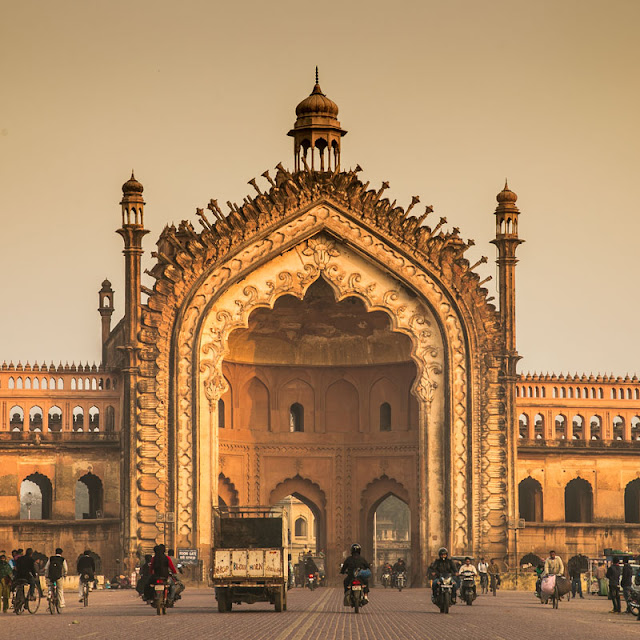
x=507, y=242
x=105, y=308
x=132, y=232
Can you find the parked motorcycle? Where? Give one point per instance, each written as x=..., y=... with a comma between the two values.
x=443, y=596
x=468, y=587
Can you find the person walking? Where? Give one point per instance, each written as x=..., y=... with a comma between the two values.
x=5, y=581
x=613, y=575
x=625, y=582
x=576, y=580
x=601, y=577
x=483, y=569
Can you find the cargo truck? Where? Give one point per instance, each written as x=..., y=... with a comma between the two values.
x=250, y=556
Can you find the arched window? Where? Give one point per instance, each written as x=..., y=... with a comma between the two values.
x=561, y=427
x=530, y=497
x=618, y=428
x=538, y=426
x=635, y=428
x=595, y=423
x=632, y=502
x=110, y=419
x=301, y=528
x=45, y=383
x=19, y=383
x=385, y=417
x=220, y=413
x=88, y=497
x=554, y=392
x=613, y=394
x=60, y=384
x=578, y=501
x=73, y=384
x=12, y=383
x=600, y=393
x=94, y=419
x=35, y=497
x=35, y=419
x=16, y=421
x=27, y=383
x=578, y=427
x=78, y=419
x=563, y=392
x=55, y=419
x=36, y=383
x=523, y=426
x=296, y=417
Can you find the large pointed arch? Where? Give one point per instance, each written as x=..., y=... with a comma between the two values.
x=185, y=320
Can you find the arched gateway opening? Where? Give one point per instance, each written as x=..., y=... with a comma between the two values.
x=326, y=319
x=330, y=360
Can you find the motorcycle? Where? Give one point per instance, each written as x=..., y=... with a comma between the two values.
x=311, y=581
x=161, y=595
x=355, y=596
x=386, y=579
x=401, y=580
x=468, y=587
x=443, y=596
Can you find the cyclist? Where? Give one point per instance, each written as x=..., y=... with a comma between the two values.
x=26, y=570
x=86, y=565
x=56, y=569
x=5, y=581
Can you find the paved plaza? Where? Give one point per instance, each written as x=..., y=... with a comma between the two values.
x=320, y=616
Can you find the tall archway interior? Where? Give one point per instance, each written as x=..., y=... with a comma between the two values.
x=305, y=380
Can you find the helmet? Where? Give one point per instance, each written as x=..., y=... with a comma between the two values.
x=442, y=551
x=356, y=548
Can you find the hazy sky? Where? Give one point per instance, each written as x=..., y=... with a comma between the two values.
x=443, y=99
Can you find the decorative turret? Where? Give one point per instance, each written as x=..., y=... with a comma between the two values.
x=317, y=133
x=132, y=232
x=105, y=308
x=507, y=242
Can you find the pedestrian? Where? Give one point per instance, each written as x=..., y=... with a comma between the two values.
x=601, y=573
x=613, y=575
x=625, y=582
x=483, y=569
x=576, y=580
x=5, y=581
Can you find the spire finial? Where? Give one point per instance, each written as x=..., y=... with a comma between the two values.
x=506, y=184
x=317, y=80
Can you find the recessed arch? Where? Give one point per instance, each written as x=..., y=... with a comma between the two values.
x=578, y=501
x=530, y=500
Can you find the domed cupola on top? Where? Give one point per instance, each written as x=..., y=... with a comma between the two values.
x=317, y=133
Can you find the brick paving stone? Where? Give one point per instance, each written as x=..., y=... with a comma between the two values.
x=319, y=615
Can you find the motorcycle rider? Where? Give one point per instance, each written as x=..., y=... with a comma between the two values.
x=349, y=566
x=467, y=569
x=443, y=565
x=398, y=568
x=85, y=565
x=162, y=566
x=483, y=571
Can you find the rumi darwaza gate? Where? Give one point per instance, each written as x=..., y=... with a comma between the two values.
x=316, y=343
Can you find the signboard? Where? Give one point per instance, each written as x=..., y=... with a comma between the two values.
x=187, y=556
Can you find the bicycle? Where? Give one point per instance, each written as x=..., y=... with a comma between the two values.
x=84, y=579
x=21, y=602
x=53, y=597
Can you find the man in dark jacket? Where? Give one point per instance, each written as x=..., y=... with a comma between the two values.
x=86, y=565
x=613, y=575
x=440, y=567
x=575, y=575
x=625, y=582
x=26, y=570
x=349, y=566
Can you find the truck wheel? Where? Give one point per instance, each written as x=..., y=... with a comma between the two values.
x=223, y=599
x=278, y=600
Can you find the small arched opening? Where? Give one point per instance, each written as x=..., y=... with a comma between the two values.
x=36, y=496
x=530, y=497
x=88, y=497
x=578, y=501
x=296, y=417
